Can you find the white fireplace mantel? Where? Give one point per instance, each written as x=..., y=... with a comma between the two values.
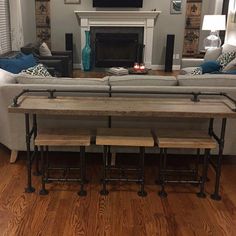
x=145, y=19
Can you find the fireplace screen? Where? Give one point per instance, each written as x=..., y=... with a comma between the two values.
x=117, y=47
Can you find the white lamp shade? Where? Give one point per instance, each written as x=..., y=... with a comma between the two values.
x=214, y=22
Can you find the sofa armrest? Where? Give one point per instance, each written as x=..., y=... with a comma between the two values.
x=62, y=53
x=191, y=62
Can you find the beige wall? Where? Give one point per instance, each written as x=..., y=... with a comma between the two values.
x=231, y=26
x=63, y=20
x=28, y=20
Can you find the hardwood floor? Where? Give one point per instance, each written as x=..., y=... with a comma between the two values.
x=122, y=212
x=102, y=73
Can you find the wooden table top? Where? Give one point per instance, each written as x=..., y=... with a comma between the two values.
x=125, y=106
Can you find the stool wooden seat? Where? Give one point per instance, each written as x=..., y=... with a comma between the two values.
x=183, y=139
x=124, y=137
x=63, y=138
x=53, y=137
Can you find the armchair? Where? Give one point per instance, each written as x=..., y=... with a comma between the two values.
x=61, y=62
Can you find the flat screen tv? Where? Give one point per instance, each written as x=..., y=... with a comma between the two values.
x=118, y=3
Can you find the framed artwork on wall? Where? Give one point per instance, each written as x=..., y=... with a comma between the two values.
x=175, y=6
x=43, y=21
x=71, y=1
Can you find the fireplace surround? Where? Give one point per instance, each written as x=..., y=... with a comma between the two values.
x=144, y=19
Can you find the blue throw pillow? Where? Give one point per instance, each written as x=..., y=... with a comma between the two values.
x=210, y=66
x=16, y=65
x=228, y=72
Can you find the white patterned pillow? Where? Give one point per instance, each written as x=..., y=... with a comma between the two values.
x=225, y=58
x=38, y=70
x=197, y=71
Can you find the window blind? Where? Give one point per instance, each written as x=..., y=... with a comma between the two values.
x=5, y=34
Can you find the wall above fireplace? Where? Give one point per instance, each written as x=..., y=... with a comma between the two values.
x=145, y=19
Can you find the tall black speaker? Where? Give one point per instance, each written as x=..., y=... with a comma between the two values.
x=170, y=43
x=69, y=44
x=69, y=41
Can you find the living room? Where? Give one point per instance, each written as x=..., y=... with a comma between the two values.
x=117, y=117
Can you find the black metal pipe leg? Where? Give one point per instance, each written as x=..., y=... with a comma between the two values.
x=216, y=195
x=197, y=164
x=85, y=168
x=43, y=191
x=29, y=188
x=162, y=193
x=37, y=168
x=158, y=180
x=104, y=191
x=202, y=194
x=142, y=192
x=82, y=192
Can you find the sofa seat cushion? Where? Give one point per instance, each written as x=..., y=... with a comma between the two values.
x=28, y=79
x=207, y=80
x=142, y=80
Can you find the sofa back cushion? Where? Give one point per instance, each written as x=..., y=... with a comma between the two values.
x=142, y=80
x=228, y=48
x=207, y=80
x=7, y=77
x=28, y=79
x=212, y=54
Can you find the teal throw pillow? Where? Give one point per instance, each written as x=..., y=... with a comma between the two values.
x=210, y=66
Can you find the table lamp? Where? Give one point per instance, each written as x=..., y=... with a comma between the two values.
x=214, y=23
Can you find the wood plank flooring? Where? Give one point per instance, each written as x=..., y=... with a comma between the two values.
x=102, y=73
x=120, y=213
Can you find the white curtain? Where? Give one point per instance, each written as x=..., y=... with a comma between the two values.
x=5, y=39
x=17, y=34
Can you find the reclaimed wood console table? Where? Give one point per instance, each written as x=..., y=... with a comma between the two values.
x=222, y=107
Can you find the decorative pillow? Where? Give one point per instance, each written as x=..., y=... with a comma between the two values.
x=229, y=72
x=225, y=58
x=212, y=54
x=38, y=70
x=7, y=77
x=44, y=50
x=16, y=65
x=210, y=66
x=231, y=65
x=197, y=71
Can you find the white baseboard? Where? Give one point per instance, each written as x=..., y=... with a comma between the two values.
x=162, y=67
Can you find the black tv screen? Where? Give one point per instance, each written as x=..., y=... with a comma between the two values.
x=118, y=3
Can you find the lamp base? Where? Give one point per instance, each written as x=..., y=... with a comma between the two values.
x=212, y=41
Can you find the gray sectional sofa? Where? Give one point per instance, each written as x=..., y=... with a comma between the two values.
x=12, y=125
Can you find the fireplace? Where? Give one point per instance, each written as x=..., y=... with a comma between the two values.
x=120, y=19
x=116, y=46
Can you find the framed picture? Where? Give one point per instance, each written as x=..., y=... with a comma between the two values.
x=71, y=1
x=175, y=6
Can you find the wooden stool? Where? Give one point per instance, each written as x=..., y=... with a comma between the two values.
x=63, y=138
x=124, y=137
x=165, y=139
